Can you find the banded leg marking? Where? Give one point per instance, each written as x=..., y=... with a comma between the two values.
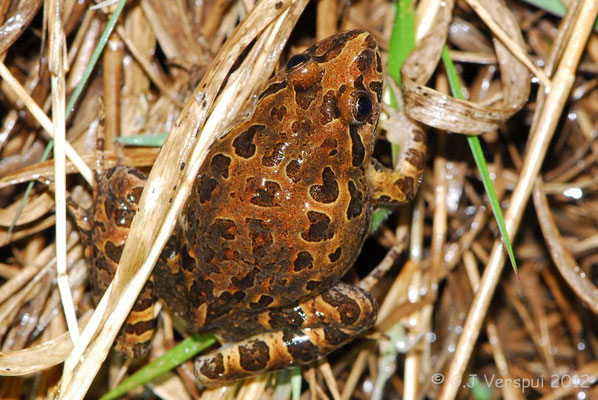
x=299, y=335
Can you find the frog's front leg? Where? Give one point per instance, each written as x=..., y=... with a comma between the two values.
x=290, y=336
x=399, y=186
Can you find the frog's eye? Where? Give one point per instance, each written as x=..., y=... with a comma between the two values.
x=363, y=106
x=296, y=60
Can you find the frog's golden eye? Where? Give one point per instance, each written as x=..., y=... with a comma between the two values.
x=296, y=60
x=362, y=106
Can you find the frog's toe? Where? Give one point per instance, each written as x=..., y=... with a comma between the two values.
x=293, y=336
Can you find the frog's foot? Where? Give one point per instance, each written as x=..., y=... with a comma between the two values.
x=399, y=186
x=291, y=336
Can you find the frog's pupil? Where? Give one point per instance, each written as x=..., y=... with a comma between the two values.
x=364, y=105
x=296, y=60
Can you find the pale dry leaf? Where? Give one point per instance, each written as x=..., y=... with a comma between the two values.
x=445, y=112
x=35, y=208
x=17, y=21
x=40, y=357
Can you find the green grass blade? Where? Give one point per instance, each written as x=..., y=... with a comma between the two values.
x=378, y=218
x=478, y=156
x=555, y=7
x=282, y=387
x=143, y=140
x=402, y=39
x=479, y=389
x=296, y=383
x=95, y=56
x=180, y=353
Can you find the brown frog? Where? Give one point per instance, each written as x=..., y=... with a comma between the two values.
x=278, y=213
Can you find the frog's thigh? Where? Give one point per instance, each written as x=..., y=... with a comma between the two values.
x=292, y=336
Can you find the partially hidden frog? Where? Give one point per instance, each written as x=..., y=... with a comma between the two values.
x=278, y=213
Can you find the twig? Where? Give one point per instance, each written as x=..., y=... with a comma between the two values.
x=57, y=79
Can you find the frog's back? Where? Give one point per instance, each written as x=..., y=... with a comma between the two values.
x=280, y=207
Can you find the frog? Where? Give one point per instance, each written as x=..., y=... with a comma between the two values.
x=278, y=213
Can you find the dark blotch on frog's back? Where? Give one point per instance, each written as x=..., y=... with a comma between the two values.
x=304, y=97
x=245, y=282
x=206, y=187
x=273, y=156
x=319, y=228
x=304, y=260
x=261, y=236
x=293, y=170
x=219, y=165
x=262, y=303
x=328, y=191
x=222, y=229
x=336, y=255
x=302, y=127
x=355, y=204
x=265, y=196
x=278, y=112
x=243, y=143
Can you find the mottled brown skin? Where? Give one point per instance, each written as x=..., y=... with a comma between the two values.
x=104, y=228
x=278, y=213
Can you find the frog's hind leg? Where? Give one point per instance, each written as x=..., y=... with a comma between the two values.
x=116, y=197
x=392, y=187
x=290, y=336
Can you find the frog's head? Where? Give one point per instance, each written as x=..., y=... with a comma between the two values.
x=338, y=82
